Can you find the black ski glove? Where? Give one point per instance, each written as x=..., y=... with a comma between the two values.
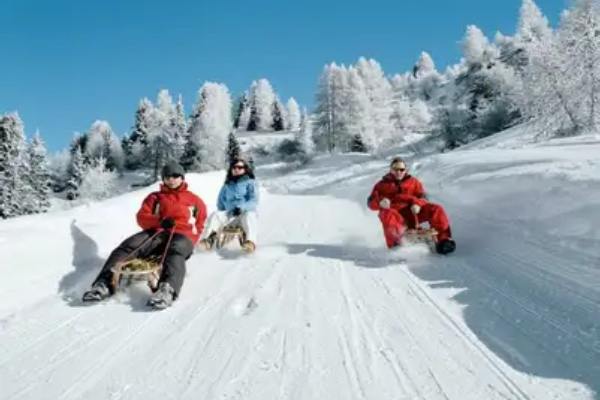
x=167, y=223
x=236, y=211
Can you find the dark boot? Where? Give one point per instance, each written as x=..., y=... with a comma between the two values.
x=98, y=292
x=163, y=297
x=445, y=246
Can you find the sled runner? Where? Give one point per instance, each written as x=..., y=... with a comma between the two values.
x=229, y=232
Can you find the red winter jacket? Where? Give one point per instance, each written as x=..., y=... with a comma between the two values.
x=187, y=209
x=402, y=193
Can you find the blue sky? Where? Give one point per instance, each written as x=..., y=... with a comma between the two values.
x=68, y=63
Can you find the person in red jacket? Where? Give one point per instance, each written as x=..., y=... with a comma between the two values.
x=172, y=212
x=401, y=202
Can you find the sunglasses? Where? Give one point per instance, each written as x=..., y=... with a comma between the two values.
x=399, y=169
x=238, y=167
x=174, y=176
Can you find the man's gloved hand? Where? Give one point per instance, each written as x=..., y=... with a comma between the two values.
x=415, y=208
x=385, y=203
x=167, y=223
x=236, y=211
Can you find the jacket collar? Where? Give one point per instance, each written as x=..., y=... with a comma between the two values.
x=165, y=189
x=391, y=178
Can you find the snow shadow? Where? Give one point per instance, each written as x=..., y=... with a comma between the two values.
x=362, y=256
x=534, y=327
x=87, y=264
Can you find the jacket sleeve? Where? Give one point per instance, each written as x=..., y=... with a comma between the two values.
x=200, y=215
x=374, y=199
x=419, y=193
x=148, y=215
x=221, y=206
x=251, y=197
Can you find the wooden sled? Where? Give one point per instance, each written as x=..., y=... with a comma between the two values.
x=229, y=232
x=420, y=234
x=137, y=269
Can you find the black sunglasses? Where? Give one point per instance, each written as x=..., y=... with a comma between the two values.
x=175, y=176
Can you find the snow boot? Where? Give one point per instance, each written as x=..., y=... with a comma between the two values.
x=445, y=246
x=208, y=243
x=163, y=297
x=248, y=246
x=98, y=292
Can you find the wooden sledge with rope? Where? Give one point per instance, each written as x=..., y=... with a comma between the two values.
x=140, y=268
x=419, y=234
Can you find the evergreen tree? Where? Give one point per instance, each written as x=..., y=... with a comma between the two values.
x=39, y=176
x=209, y=128
x=77, y=170
x=12, y=163
x=261, y=102
x=278, y=116
x=293, y=113
x=233, y=148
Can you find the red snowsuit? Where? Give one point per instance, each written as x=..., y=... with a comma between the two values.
x=187, y=209
x=402, y=195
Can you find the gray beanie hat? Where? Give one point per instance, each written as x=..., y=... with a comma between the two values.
x=171, y=169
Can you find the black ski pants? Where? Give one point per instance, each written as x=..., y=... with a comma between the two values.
x=173, y=272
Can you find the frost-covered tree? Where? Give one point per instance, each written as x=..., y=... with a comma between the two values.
x=560, y=85
x=58, y=166
x=359, y=117
x=102, y=142
x=477, y=50
x=13, y=164
x=77, y=170
x=39, y=176
x=304, y=135
x=135, y=145
x=293, y=113
x=279, y=115
x=209, y=128
x=379, y=93
x=331, y=108
x=261, y=102
x=241, y=112
x=233, y=147
x=98, y=181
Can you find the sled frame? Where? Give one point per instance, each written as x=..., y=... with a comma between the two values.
x=233, y=229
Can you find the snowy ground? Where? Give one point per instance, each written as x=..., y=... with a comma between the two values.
x=322, y=310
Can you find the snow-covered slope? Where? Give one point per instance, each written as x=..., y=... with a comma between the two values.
x=322, y=310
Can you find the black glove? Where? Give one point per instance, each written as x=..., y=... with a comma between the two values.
x=236, y=211
x=167, y=223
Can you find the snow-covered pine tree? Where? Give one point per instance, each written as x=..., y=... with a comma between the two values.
x=560, y=84
x=261, y=100
x=77, y=170
x=138, y=139
x=532, y=28
x=240, y=111
x=179, y=130
x=39, y=176
x=359, y=116
x=304, y=135
x=380, y=96
x=209, y=128
x=98, y=181
x=12, y=159
x=331, y=109
x=102, y=142
x=279, y=117
x=293, y=113
x=233, y=147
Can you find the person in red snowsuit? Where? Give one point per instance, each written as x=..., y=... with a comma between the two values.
x=172, y=215
x=401, y=202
